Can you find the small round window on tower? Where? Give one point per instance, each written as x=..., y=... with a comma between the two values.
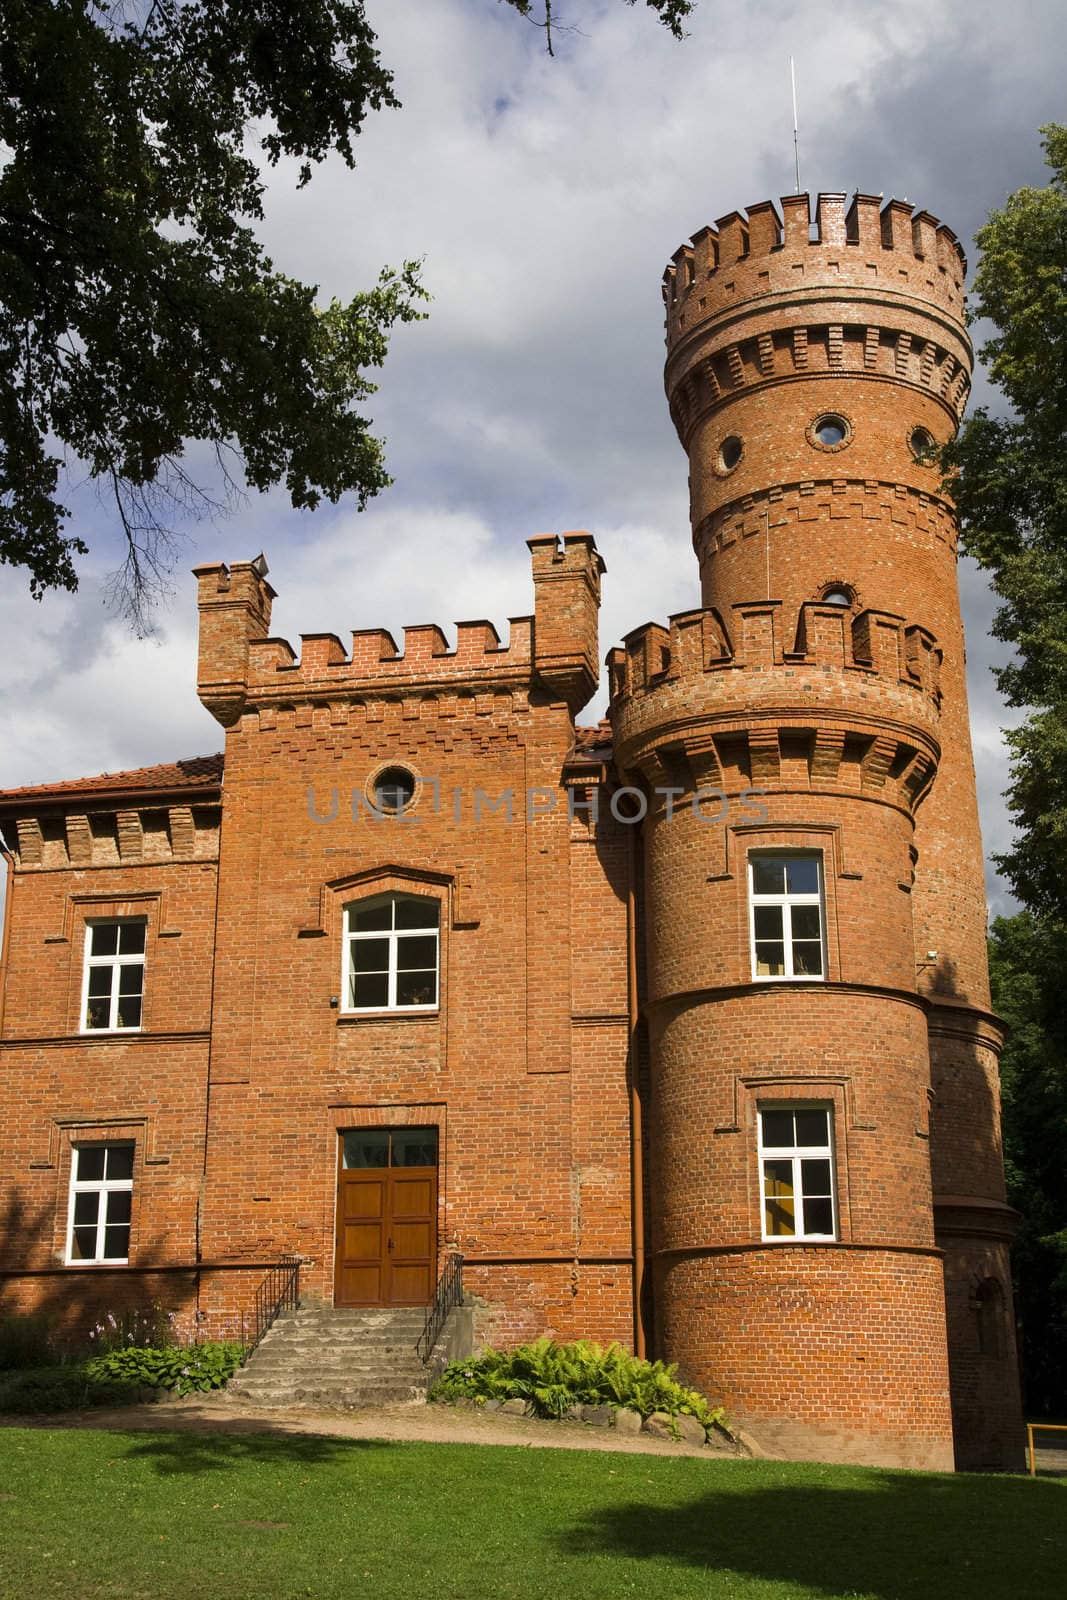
x=923, y=446
x=394, y=790
x=837, y=595
x=730, y=452
x=830, y=430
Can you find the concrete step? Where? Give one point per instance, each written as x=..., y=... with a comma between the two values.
x=344, y=1316
x=336, y=1370
x=343, y=1357
x=345, y=1361
x=333, y=1340
x=328, y=1394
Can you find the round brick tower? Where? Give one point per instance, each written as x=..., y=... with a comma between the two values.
x=823, y=1063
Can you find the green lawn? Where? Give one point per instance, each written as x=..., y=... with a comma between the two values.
x=183, y=1517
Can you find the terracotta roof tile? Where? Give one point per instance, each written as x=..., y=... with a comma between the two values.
x=593, y=743
x=198, y=772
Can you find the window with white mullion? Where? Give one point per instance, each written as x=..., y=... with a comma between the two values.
x=113, y=982
x=797, y=1172
x=101, y=1204
x=786, y=916
x=392, y=957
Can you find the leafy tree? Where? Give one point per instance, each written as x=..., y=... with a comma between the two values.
x=1028, y=958
x=138, y=312
x=1012, y=497
x=672, y=14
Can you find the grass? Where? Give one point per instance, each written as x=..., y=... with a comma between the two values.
x=171, y=1516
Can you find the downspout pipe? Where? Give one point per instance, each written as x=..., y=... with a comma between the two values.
x=9, y=869
x=637, y=1163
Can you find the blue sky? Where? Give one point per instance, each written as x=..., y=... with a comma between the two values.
x=545, y=196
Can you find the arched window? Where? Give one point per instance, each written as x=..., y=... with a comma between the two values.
x=392, y=953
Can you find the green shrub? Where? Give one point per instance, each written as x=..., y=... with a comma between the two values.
x=69, y=1388
x=551, y=1377
x=197, y=1367
x=25, y=1340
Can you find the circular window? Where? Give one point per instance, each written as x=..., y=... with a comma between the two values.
x=394, y=790
x=837, y=595
x=831, y=431
x=730, y=452
x=923, y=446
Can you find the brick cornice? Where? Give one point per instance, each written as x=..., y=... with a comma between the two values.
x=825, y=499
x=772, y=989
x=95, y=1041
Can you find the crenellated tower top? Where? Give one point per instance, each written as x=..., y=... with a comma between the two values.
x=860, y=292
x=866, y=245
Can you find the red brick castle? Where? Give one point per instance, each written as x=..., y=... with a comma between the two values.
x=678, y=1028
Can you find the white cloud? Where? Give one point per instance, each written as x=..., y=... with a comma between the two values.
x=546, y=197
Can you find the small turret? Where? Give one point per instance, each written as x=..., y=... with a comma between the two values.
x=566, y=573
x=234, y=604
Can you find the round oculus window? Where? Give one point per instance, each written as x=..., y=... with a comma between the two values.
x=394, y=790
x=730, y=452
x=838, y=595
x=830, y=430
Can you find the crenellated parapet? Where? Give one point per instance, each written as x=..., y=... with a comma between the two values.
x=822, y=698
x=759, y=252
x=863, y=292
x=242, y=669
x=324, y=668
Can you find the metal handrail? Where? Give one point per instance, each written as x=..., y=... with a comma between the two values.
x=279, y=1291
x=449, y=1293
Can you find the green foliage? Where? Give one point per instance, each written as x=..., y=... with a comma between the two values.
x=70, y=1388
x=138, y=311
x=114, y=1377
x=1027, y=960
x=194, y=1368
x=1012, y=497
x=552, y=1377
x=25, y=1340
x=672, y=13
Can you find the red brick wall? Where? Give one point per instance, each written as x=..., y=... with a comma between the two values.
x=824, y=1351
x=59, y=1087
x=852, y=725
x=522, y=1065
x=856, y=733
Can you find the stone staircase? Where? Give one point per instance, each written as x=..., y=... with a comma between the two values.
x=319, y=1355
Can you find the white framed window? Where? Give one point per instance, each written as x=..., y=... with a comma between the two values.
x=113, y=984
x=101, y=1203
x=796, y=1159
x=392, y=953
x=786, y=915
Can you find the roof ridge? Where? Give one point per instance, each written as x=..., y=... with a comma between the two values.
x=187, y=772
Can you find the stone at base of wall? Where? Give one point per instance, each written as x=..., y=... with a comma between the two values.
x=801, y=1441
x=749, y=1445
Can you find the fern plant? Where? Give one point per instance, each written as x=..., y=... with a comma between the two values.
x=552, y=1377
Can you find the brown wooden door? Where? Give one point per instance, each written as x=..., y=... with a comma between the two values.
x=386, y=1226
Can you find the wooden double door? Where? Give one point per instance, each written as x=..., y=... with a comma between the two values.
x=386, y=1217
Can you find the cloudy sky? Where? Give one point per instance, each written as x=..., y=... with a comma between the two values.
x=544, y=196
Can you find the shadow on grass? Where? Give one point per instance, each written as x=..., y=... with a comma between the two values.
x=185, y=1453
x=894, y=1537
